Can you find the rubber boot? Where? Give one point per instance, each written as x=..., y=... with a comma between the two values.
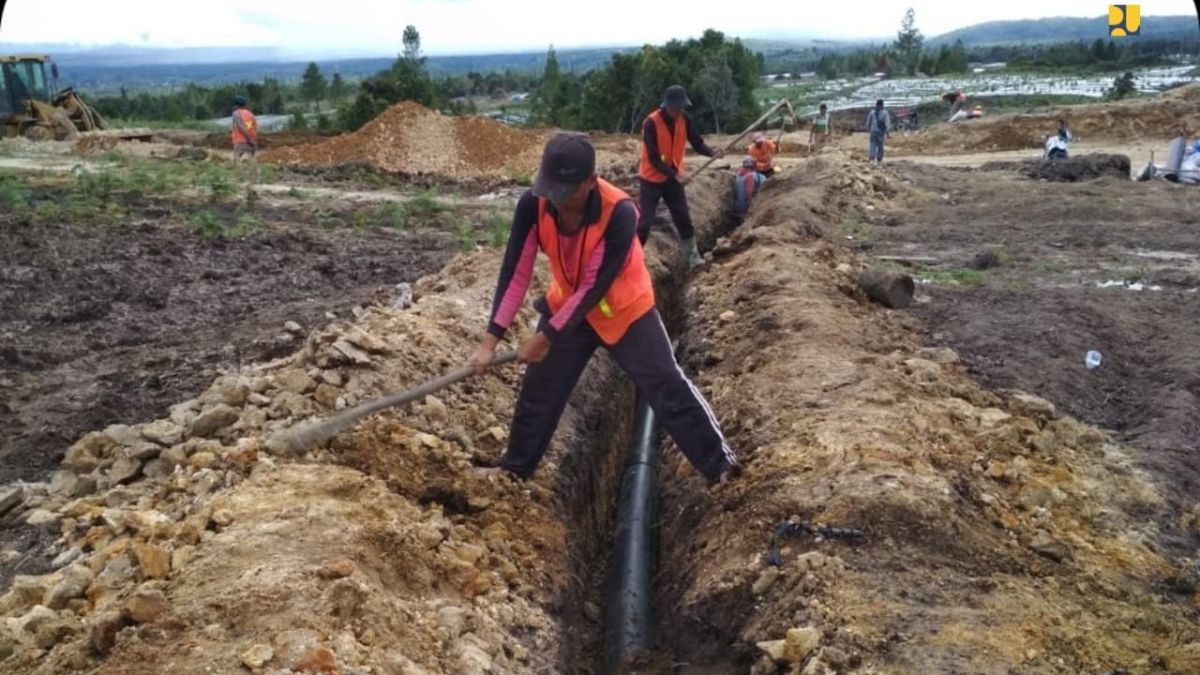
x=694, y=257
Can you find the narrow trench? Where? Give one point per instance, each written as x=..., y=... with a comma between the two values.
x=591, y=472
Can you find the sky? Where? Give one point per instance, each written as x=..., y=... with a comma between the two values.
x=373, y=27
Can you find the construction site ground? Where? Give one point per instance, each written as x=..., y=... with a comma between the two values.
x=1011, y=510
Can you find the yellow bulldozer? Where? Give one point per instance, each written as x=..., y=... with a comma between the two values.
x=31, y=106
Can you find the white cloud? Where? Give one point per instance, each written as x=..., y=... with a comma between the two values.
x=465, y=26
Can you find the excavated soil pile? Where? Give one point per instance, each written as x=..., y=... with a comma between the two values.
x=411, y=139
x=184, y=545
x=998, y=535
x=1070, y=170
x=1164, y=117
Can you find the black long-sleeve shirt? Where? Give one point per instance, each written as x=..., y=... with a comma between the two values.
x=590, y=278
x=650, y=138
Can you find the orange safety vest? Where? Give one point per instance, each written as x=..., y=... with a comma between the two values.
x=631, y=294
x=670, y=148
x=251, y=123
x=763, y=157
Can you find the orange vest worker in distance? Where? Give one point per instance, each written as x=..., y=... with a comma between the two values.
x=661, y=175
x=244, y=130
x=600, y=296
x=763, y=150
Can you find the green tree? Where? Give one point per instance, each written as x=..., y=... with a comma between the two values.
x=716, y=88
x=337, y=88
x=909, y=42
x=1123, y=86
x=298, y=123
x=549, y=101
x=958, y=58
x=313, y=85
x=412, y=45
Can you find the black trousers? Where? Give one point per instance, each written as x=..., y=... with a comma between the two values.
x=644, y=353
x=672, y=192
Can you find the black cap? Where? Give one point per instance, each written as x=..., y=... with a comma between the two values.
x=567, y=161
x=676, y=97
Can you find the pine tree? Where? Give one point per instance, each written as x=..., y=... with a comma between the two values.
x=312, y=85
x=909, y=42
x=548, y=103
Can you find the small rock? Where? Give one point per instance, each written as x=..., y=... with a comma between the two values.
x=124, y=470
x=26, y=625
x=56, y=631
x=430, y=536
x=1048, y=547
x=222, y=517
x=473, y=659
x=212, y=420
x=728, y=316
x=257, y=656
x=591, y=611
x=181, y=556
x=997, y=470
x=765, y=580
x=202, y=460
x=800, y=642
x=293, y=328
x=318, y=660
x=336, y=569
x=143, y=450
x=102, y=630
x=469, y=553
x=292, y=645
x=164, y=432
x=259, y=400
x=773, y=649
x=63, y=483
x=453, y=619
x=326, y=395
x=1032, y=406
x=153, y=559
x=295, y=381
x=75, y=580
x=351, y=353
x=234, y=393
x=290, y=404
x=10, y=497
x=183, y=413
x=85, y=454
x=992, y=417
x=42, y=517
x=66, y=557
x=940, y=355
x=332, y=377
x=147, y=605
x=435, y=408
x=173, y=457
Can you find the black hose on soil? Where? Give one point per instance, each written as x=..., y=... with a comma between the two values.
x=629, y=617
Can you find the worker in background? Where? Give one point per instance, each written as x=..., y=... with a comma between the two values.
x=245, y=135
x=763, y=151
x=879, y=125
x=957, y=100
x=600, y=294
x=745, y=184
x=1058, y=145
x=661, y=175
x=820, y=132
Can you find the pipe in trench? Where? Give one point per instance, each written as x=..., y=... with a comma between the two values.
x=629, y=618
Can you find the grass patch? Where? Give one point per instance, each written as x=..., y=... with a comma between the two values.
x=853, y=227
x=1053, y=267
x=465, y=233
x=498, y=228
x=412, y=213
x=15, y=195
x=519, y=176
x=961, y=276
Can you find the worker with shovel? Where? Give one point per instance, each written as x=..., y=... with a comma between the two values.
x=245, y=135
x=661, y=175
x=600, y=295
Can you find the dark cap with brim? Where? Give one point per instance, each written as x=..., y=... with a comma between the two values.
x=567, y=161
x=676, y=97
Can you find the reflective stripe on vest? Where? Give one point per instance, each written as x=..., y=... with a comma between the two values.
x=670, y=147
x=631, y=294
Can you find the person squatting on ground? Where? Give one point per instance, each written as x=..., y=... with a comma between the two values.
x=661, y=175
x=244, y=132
x=819, y=132
x=879, y=125
x=763, y=151
x=745, y=184
x=600, y=295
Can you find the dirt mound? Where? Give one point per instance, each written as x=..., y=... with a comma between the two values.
x=1164, y=117
x=998, y=534
x=1070, y=170
x=410, y=139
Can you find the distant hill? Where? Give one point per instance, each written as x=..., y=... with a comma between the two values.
x=1059, y=29
x=108, y=69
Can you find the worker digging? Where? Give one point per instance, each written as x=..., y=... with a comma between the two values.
x=600, y=295
x=763, y=151
x=661, y=175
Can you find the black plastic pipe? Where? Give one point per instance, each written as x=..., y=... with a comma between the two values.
x=629, y=618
